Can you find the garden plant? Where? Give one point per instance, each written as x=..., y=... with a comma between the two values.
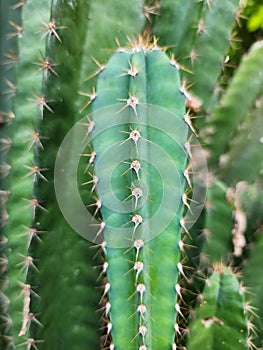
x=131, y=139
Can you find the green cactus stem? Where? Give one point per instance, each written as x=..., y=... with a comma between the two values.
x=175, y=27
x=218, y=225
x=141, y=279
x=249, y=74
x=21, y=204
x=9, y=17
x=253, y=279
x=208, y=54
x=221, y=319
x=99, y=43
x=200, y=37
x=245, y=149
x=63, y=259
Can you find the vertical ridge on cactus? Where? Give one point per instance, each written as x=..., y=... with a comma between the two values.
x=218, y=225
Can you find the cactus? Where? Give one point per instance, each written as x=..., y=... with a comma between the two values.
x=221, y=319
x=151, y=259
x=201, y=58
x=249, y=73
x=132, y=159
x=8, y=54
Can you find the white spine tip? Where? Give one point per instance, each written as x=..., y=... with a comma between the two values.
x=141, y=290
x=183, y=225
x=181, y=246
x=177, y=328
x=105, y=267
x=103, y=246
x=181, y=270
x=143, y=330
x=137, y=194
x=107, y=308
x=187, y=177
x=136, y=166
x=185, y=202
x=138, y=267
x=138, y=244
x=135, y=135
x=188, y=149
x=106, y=288
x=137, y=220
x=178, y=290
x=109, y=328
x=141, y=309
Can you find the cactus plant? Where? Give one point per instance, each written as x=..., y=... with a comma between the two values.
x=135, y=169
x=151, y=259
x=219, y=320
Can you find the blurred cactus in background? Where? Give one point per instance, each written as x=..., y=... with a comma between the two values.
x=150, y=114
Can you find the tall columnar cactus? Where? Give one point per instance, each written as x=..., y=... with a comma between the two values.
x=11, y=30
x=142, y=77
x=132, y=174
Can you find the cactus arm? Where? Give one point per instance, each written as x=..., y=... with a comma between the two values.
x=68, y=267
x=174, y=26
x=245, y=150
x=249, y=74
x=20, y=205
x=211, y=44
x=162, y=252
x=220, y=320
x=193, y=43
